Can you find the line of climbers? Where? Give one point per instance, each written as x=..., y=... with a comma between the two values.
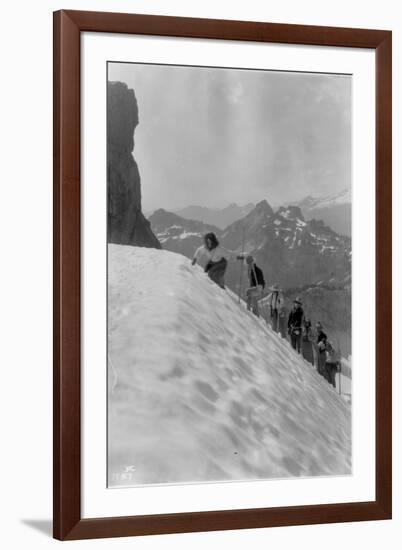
x=313, y=345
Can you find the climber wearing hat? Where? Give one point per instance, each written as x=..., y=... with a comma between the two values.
x=295, y=323
x=275, y=304
x=257, y=285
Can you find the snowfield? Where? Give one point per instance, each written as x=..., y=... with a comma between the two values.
x=202, y=390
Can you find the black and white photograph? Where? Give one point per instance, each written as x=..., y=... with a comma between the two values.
x=229, y=265
x=201, y=275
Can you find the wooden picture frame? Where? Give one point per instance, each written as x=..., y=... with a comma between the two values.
x=68, y=523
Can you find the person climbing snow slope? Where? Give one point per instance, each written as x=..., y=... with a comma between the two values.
x=331, y=364
x=295, y=323
x=214, y=258
x=257, y=285
x=275, y=303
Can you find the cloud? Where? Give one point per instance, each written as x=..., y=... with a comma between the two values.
x=213, y=136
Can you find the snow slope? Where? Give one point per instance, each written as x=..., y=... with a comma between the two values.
x=202, y=390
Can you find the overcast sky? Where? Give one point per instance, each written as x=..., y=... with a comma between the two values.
x=215, y=136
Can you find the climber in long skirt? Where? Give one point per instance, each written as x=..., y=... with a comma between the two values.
x=295, y=323
x=214, y=258
x=216, y=271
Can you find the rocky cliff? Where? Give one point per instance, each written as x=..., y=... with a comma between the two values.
x=126, y=222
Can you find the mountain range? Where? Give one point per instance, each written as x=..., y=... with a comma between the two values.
x=292, y=251
x=334, y=210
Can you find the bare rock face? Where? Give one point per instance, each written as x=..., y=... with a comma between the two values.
x=126, y=222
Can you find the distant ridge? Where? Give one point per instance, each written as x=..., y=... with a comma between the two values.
x=220, y=217
x=335, y=210
x=179, y=234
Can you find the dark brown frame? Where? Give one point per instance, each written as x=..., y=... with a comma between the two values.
x=68, y=26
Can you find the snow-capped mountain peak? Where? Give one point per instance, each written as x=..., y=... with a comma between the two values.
x=340, y=197
x=334, y=210
x=291, y=213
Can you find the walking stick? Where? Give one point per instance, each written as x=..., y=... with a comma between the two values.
x=340, y=367
x=241, y=264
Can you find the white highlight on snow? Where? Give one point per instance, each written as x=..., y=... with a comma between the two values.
x=164, y=236
x=186, y=234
